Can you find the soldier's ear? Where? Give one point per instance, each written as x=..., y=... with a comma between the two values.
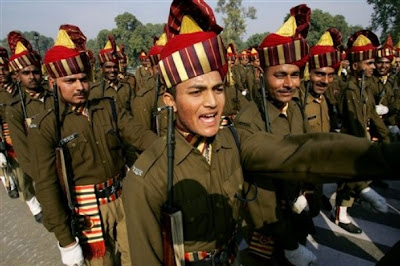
x=354, y=66
x=51, y=82
x=169, y=100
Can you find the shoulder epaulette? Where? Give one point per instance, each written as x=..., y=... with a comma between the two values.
x=14, y=100
x=36, y=123
x=96, y=84
x=246, y=116
x=96, y=101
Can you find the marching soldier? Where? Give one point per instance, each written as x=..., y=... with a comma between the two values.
x=383, y=84
x=240, y=74
x=359, y=115
x=124, y=75
x=29, y=99
x=253, y=76
x=7, y=153
x=207, y=174
x=144, y=74
x=396, y=72
x=324, y=62
x=149, y=98
x=110, y=85
x=281, y=220
x=234, y=100
x=98, y=138
x=397, y=57
x=95, y=76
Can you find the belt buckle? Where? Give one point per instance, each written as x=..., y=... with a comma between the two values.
x=101, y=193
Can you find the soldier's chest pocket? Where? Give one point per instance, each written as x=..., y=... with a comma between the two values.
x=313, y=121
x=77, y=146
x=197, y=219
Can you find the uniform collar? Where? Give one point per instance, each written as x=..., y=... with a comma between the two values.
x=383, y=79
x=115, y=84
x=318, y=99
x=183, y=151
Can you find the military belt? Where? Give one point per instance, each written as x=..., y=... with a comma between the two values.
x=112, y=188
x=200, y=258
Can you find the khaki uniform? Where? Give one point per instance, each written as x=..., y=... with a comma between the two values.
x=121, y=92
x=383, y=92
x=270, y=211
x=253, y=80
x=130, y=79
x=5, y=97
x=280, y=124
x=206, y=192
x=144, y=78
x=239, y=73
x=143, y=106
x=359, y=113
x=234, y=101
x=20, y=135
x=317, y=114
x=96, y=156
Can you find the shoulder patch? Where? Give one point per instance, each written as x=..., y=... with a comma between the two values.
x=137, y=171
x=148, y=158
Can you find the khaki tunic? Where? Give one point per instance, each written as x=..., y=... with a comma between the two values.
x=280, y=124
x=96, y=153
x=265, y=209
x=143, y=106
x=253, y=80
x=359, y=112
x=16, y=123
x=395, y=108
x=5, y=97
x=130, y=79
x=121, y=93
x=316, y=111
x=384, y=94
x=144, y=78
x=205, y=192
x=317, y=114
x=25, y=186
x=234, y=101
x=239, y=73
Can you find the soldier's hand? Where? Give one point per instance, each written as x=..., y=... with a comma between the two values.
x=72, y=255
x=381, y=109
x=300, y=204
x=3, y=160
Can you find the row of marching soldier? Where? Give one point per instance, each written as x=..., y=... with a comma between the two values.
x=246, y=152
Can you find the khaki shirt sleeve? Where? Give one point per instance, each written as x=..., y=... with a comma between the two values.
x=142, y=209
x=380, y=126
x=352, y=116
x=133, y=132
x=47, y=186
x=16, y=125
x=317, y=157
